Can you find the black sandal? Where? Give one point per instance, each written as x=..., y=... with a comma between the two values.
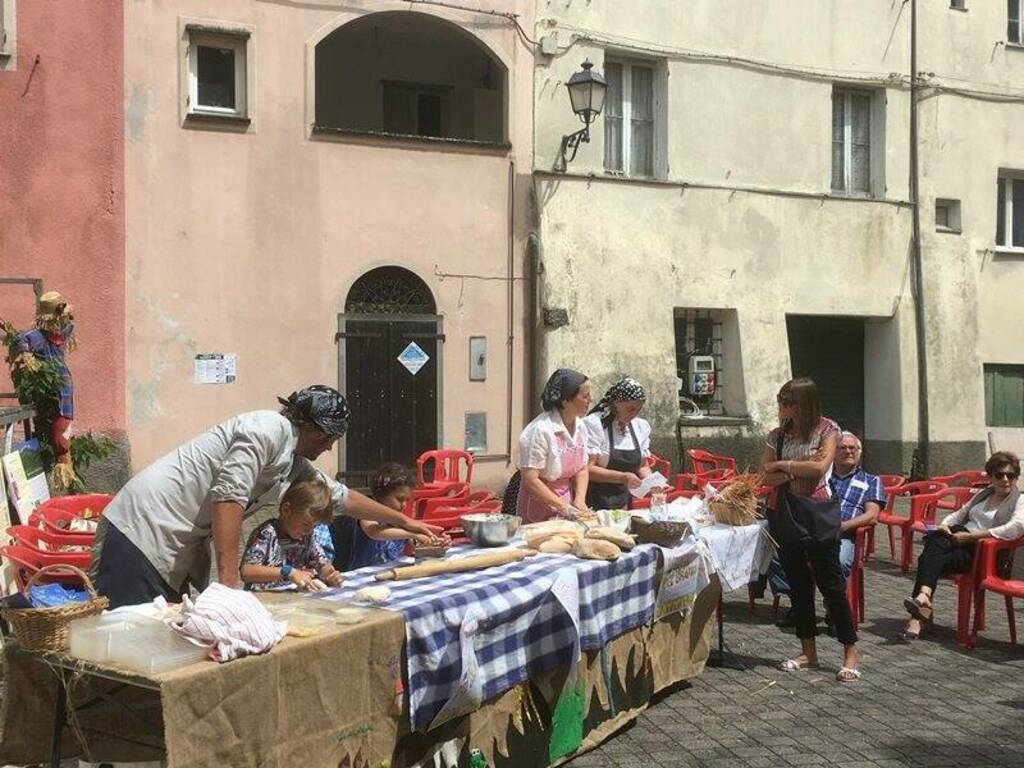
x=920, y=612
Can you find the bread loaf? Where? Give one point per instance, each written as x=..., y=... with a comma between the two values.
x=596, y=549
x=558, y=545
x=622, y=540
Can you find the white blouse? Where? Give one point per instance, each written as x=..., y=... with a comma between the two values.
x=597, y=438
x=975, y=517
x=539, y=444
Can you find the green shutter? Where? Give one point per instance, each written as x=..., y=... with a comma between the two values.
x=1004, y=395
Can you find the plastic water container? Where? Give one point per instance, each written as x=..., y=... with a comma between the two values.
x=153, y=648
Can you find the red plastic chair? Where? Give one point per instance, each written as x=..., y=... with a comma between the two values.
x=645, y=503
x=888, y=518
x=414, y=506
x=446, y=468
x=704, y=461
x=425, y=507
x=715, y=477
x=447, y=511
x=58, y=521
x=50, y=543
x=946, y=500
x=889, y=482
x=973, y=478
x=25, y=562
x=87, y=505
x=990, y=577
x=686, y=481
x=658, y=464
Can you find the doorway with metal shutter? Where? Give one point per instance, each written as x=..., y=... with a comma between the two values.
x=830, y=350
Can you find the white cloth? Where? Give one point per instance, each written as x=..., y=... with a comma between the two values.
x=232, y=623
x=165, y=510
x=545, y=439
x=599, y=446
x=976, y=517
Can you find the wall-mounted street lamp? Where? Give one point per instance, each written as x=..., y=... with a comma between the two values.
x=587, y=90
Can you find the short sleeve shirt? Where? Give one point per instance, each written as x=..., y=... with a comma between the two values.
x=269, y=545
x=543, y=441
x=794, y=448
x=599, y=447
x=855, y=490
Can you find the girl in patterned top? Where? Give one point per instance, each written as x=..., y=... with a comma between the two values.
x=282, y=553
x=808, y=446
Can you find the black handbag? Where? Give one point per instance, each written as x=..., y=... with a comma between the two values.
x=799, y=520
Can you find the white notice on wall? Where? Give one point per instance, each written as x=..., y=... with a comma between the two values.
x=413, y=358
x=215, y=368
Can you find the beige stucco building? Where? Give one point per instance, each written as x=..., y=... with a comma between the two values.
x=746, y=194
x=311, y=189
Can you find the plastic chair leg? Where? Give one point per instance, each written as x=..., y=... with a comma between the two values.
x=775, y=608
x=860, y=591
x=1010, y=619
x=907, y=545
x=963, y=611
x=892, y=542
x=871, y=543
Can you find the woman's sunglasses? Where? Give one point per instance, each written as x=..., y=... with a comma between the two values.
x=1004, y=475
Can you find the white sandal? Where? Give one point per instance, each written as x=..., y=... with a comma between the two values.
x=848, y=675
x=792, y=665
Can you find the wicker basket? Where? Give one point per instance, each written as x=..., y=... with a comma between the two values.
x=46, y=629
x=664, y=533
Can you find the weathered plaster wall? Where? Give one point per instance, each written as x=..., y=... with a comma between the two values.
x=742, y=214
x=62, y=188
x=249, y=242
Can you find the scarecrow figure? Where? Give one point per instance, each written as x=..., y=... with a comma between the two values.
x=50, y=340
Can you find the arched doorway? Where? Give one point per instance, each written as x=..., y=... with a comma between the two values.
x=389, y=342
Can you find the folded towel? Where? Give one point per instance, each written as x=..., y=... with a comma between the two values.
x=231, y=622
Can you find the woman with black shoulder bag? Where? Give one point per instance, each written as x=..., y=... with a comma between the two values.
x=804, y=521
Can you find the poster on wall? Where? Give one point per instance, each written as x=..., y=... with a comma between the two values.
x=215, y=368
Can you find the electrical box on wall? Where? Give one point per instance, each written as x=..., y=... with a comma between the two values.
x=477, y=358
x=700, y=376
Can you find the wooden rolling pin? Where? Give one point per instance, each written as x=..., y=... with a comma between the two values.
x=458, y=565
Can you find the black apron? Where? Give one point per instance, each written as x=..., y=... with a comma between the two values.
x=616, y=495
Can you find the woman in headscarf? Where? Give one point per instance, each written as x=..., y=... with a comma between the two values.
x=619, y=444
x=553, y=451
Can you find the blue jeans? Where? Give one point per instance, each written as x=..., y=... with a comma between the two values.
x=777, y=577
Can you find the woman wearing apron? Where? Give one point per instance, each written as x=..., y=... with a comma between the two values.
x=553, y=451
x=620, y=443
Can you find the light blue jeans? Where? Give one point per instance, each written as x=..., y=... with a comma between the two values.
x=777, y=577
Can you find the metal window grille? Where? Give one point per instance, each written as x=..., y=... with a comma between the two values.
x=699, y=332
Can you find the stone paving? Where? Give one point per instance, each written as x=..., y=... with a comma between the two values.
x=922, y=704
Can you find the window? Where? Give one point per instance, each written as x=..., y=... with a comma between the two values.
x=1010, y=210
x=714, y=333
x=1004, y=395
x=851, y=141
x=412, y=109
x=958, y=5
x=629, y=119
x=7, y=17
x=1013, y=21
x=217, y=74
x=947, y=215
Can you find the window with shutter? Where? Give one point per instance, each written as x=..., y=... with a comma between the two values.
x=1013, y=21
x=1010, y=210
x=1004, y=395
x=629, y=118
x=851, y=141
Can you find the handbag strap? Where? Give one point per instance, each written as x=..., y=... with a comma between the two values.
x=779, y=440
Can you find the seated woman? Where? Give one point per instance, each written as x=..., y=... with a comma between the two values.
x=360, y=543
x=553, y=451
x=996, y=512
x=619, y=442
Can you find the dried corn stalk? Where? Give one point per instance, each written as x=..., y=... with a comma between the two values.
x=736, y=503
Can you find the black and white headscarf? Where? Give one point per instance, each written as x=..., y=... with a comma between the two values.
x=563, y=385
x=320, y=406
x=621, y=391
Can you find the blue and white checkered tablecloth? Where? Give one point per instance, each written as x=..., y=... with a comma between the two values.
x=471, y=636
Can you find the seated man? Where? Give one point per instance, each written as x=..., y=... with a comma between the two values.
x=861, y=497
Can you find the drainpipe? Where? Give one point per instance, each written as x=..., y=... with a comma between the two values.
x=920, y=460
x=533, y=319
x=511, y=300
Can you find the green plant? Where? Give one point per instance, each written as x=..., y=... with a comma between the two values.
x=85, y=449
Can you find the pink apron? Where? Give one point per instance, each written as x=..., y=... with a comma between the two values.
x=574, y=458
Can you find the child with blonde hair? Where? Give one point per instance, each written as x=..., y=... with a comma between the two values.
x=282, y=553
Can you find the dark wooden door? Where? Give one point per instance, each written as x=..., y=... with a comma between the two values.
x=394, y=411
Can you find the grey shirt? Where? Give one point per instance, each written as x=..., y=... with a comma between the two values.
x=165, y=510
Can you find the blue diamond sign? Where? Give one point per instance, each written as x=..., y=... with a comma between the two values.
x=413, y=358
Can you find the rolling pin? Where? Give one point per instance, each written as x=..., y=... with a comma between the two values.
x=458, y=565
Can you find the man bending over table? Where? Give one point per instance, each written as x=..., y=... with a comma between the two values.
x=154, y=537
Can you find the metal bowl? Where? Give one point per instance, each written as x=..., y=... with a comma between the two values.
x=490, y=529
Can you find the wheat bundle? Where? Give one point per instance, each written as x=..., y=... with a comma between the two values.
x=736, y=503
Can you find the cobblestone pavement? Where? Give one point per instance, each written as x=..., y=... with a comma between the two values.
x=922, y=704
